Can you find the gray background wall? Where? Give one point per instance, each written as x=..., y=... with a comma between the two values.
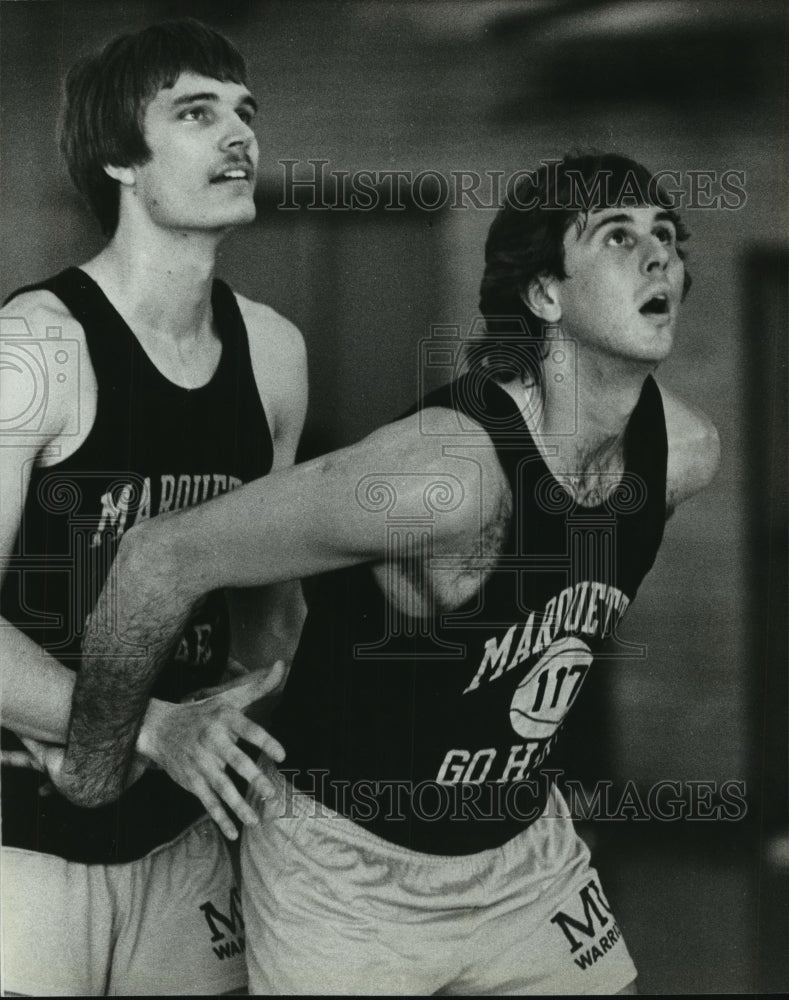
x=490, y=86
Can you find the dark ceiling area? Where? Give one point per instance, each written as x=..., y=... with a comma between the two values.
x=669, y=53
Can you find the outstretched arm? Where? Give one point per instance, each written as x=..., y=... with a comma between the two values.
x=309, y=519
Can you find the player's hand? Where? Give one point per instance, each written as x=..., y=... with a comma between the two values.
x=195, y=742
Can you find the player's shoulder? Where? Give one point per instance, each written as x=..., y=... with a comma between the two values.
x=43, y=344
x=693, y=447
x=34, y=312
x=436, y=431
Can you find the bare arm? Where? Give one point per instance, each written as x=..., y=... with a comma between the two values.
x=43, y=419
x=36, y=687
x=301, y=521
x=46, y=408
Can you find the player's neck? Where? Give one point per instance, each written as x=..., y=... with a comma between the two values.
x=160, y=281
x=602, y=404
x=585, y=411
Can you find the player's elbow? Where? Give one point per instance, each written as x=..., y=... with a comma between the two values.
x=79, y=796
x=153, y=555
x=84, y=793
x=136, y=550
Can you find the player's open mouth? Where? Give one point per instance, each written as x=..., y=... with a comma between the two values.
x=658, y=305
x=232, y=174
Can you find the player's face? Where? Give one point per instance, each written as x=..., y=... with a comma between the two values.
x=624, y=283
x=201, y=174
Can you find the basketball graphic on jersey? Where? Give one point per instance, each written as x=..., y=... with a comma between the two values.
x=544, y=696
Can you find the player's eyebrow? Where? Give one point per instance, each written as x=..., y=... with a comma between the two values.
x=620, y=219
x=247, y=100
x=189, y=98
x=623, y=218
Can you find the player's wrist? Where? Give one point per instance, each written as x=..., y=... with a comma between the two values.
x=148, y=742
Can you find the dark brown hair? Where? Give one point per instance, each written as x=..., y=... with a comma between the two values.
x=107, y=93
x=526, y=240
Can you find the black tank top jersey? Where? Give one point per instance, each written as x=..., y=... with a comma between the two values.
x=436, y=738
x=153, y=447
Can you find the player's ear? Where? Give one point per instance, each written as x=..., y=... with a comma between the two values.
x=124, y=175
x=540, y=295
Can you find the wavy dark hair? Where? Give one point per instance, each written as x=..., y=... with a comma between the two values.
x=526, y=240
x=106, y=95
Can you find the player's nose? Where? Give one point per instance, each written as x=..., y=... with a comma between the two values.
x=655, y=254
x=238, y=133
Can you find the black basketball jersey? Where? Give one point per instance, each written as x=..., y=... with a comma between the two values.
x=434, y=734
x=153, y=447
